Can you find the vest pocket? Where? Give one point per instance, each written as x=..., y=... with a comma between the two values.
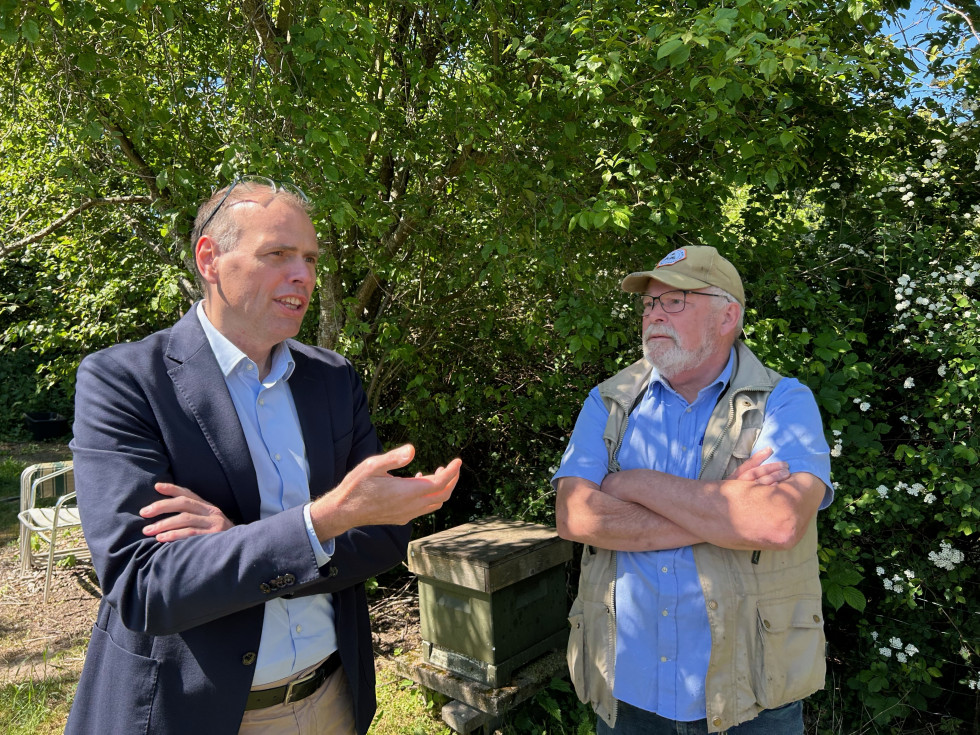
x=789, y=658
x=575, y=654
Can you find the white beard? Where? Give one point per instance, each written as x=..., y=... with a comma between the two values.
x=672, y=360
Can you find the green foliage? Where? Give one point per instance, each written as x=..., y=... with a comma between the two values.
x=877, y=311
x=482, y=176
x=555, y=709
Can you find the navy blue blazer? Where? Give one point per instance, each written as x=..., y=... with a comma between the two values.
x=174, y=645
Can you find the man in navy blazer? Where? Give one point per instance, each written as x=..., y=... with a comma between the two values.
x=232, y=490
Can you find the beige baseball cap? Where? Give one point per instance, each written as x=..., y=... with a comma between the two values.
x=691, y=267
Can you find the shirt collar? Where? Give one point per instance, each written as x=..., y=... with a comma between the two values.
x=718, y=383
x=229, y=357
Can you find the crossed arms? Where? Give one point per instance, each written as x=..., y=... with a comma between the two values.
x=758, y=507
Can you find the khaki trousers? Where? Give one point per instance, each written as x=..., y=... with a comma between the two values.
x=328, y=711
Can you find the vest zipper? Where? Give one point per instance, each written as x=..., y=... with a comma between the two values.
x=706, y=460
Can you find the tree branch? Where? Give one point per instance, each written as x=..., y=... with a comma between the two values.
x=143, y=169
x=265, y=30
x=7, y=250
x=964, y=16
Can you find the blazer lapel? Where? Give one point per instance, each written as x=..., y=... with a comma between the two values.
x=313, y=408
x=201, y=385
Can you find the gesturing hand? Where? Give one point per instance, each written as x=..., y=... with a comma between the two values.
x=369, y=495
x=753, y=470
x=194, y=516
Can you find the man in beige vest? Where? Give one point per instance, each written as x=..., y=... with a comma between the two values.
x=693, y=478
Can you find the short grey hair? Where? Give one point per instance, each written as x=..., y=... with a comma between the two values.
x=732, y=300
x=223, y=226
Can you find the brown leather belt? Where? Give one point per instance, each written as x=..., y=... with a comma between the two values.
x=295, y=690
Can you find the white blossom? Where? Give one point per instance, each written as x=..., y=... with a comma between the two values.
x=864, y=406
x=947, y=557
x=885, y=651
x=909, y=383
x=929, y=499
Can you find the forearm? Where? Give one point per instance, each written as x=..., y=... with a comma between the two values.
x=734, y=514
x=588, y=515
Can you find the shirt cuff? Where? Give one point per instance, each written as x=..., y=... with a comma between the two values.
x=322, y=551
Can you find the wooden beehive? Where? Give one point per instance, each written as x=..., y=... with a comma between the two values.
x=491, y=596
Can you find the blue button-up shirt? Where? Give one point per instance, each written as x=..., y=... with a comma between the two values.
x=663, y=637
x=300, y=632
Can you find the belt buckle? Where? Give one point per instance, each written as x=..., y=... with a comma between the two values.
x=296, y=682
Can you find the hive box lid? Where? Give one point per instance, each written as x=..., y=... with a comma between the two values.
x=488, y=554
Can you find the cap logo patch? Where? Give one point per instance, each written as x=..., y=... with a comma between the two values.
x=675, y=256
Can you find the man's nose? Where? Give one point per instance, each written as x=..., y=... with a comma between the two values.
x=656, y=313
x=300, y=271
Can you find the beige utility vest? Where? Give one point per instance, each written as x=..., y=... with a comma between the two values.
x=767, y=640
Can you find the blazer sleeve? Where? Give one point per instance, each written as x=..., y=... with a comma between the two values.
x=132, y=429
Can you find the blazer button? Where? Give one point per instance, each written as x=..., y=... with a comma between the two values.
x=265, y=588
x=289, y=579
x=334, y=571
x=249, y=658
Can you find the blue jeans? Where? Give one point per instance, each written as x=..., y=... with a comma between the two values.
x=630, y=720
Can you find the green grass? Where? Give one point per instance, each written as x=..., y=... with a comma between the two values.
x=404, y=708
x=38, y=705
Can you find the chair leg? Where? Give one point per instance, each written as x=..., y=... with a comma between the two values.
x=47, y=578
x=25, y=550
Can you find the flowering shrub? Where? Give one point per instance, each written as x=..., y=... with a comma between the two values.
x=877, y=310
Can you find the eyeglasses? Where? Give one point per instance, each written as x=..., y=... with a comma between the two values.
x=272, y=184
x=671, y=302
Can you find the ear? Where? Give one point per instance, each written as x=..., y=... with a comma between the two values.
x=205, y=254
x=729, y=318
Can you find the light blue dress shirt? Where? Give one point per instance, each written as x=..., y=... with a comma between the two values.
x=299, y=632
x=663, y=637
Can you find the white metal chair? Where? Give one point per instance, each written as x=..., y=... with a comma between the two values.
x=49, y=514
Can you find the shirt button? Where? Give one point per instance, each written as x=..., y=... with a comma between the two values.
x=664, y=613
x=278, y=456
x=250, y=367
x=663, y=569
x=261, y=401
x=663, y=659
x=299, y=628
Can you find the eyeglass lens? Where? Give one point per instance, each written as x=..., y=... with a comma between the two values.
x=671, y=302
